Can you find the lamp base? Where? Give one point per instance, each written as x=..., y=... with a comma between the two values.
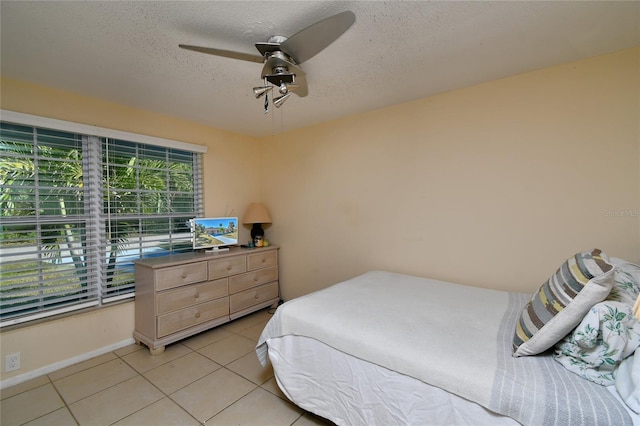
x=257, y=234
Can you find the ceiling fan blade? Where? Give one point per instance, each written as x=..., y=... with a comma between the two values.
x=310, y=41
x=225, y=53
x=268, y=47
x=302, y=90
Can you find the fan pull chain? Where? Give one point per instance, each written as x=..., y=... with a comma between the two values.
x=273, y=124
x=266, y=98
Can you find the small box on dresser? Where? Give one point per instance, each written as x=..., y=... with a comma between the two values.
x=178, y=296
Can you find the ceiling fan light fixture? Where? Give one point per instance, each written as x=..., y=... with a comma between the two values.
x=280, y=100
x=283, y=89
x=292, y=87
x=261, y=90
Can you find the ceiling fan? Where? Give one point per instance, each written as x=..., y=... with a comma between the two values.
x=282, y=56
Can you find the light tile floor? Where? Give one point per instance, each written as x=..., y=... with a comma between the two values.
x=213, y=378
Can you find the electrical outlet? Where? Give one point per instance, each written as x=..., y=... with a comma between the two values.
x=12, y=362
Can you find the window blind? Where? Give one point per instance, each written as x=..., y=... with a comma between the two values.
x=77, y=210
x=148, y=202
x=43, y=227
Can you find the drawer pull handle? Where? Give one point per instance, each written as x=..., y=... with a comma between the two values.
x=229, y=268
x=198, y=315
x=264, y=260
x=184, y=275
x=255, y=279
x=256, y=296
x=196, y=295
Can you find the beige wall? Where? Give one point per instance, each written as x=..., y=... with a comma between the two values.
x=493, y=185
x=229, y=165
x=229, y=173
x=59, y=342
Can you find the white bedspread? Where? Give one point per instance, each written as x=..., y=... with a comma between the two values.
x=454, y=349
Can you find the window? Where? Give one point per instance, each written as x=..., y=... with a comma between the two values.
x=76, y=210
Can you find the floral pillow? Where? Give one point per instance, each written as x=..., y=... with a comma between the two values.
x=608, y=334
x=626, y=286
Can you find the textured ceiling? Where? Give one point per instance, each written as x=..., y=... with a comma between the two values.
x=127, y=51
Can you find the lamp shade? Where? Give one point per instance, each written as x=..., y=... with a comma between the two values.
x=257, y=213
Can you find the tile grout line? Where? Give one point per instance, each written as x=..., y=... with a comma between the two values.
x=165, y=395
x=63, y=401
x=222, y=366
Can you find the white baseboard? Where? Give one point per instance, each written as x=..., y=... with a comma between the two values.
x=62, y=364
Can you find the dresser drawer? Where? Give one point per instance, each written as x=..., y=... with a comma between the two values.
x=251, y=279
x=262, y=260
x=179, y=298
x=179, y=320
x=253, y=296
x=176, y=276
x=225, y=267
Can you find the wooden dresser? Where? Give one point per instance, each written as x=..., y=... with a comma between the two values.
x=181, y=295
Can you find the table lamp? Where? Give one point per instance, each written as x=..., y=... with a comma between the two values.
x=257, y=214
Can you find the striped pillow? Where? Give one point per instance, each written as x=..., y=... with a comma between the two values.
x=562, y=301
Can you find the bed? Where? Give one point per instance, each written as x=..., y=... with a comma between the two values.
x=386, y=348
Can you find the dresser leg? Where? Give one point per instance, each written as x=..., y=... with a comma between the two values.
x=156, y=351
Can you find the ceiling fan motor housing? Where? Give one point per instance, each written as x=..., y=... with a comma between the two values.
x=278, y=63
